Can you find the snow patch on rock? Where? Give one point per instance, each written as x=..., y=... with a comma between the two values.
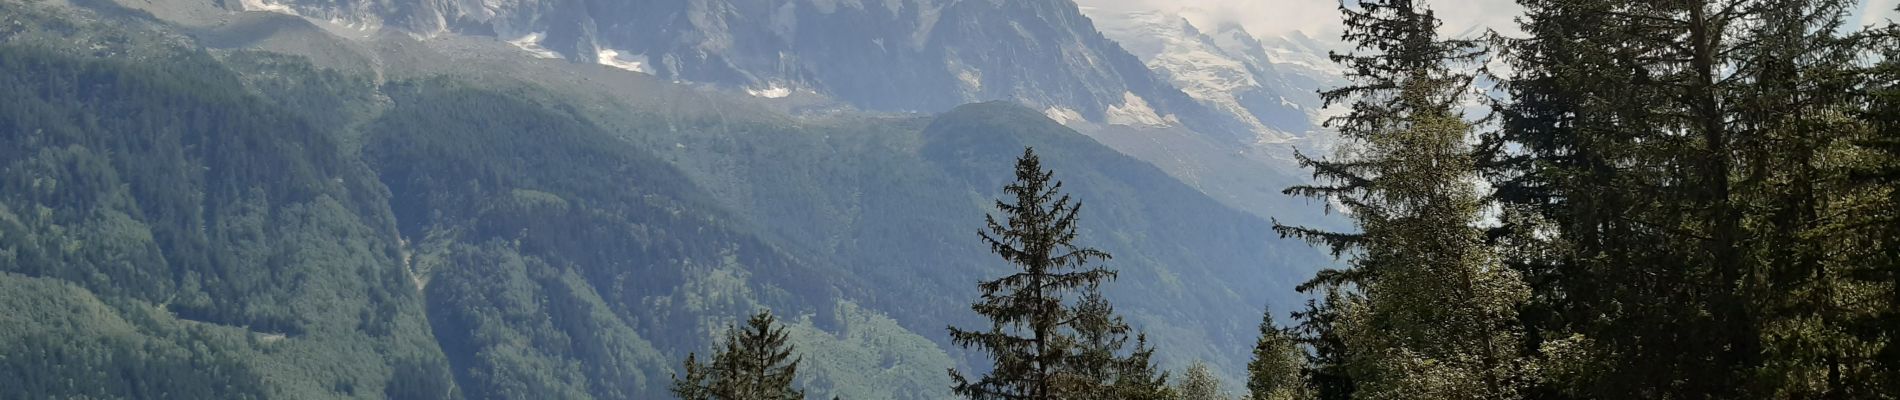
x=267, y=6
x=972, y=80
x=361, y=26
x=532, y=44
x=1135, y=111
x=773, y=91
x=1063, y=115
x=631, y=62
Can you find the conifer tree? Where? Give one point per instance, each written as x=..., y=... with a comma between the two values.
x=1137, y=377
x=1199, y=383
x=1325, y=368
x=1797, y=92
x=1435, y=313
x=1091, y=367
x=1027, y=310
x=1880, y=223
x=1592, y=158
x=755, y=363
x=1096, y=367
x=1274, y=371
x=697, y=384
x=1684, y=164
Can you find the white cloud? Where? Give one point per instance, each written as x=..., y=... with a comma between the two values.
x=1313, y=17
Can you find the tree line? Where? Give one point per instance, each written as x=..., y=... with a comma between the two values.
x=1690, y=199
x=1666, y=200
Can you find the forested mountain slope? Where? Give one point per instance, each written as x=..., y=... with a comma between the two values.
x=165, y=232
x=247, y=225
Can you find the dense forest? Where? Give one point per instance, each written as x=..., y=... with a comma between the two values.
x=1666, y=200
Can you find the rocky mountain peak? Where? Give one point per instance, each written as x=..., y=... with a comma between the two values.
x=1227, y=69
x=891, y=55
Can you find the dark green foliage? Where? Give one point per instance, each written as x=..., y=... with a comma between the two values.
x=1807, y=278
x=1094, y=364
x=1027, y=309
x=332, y=101
x=175, y=147
x=1699, y=195
x=1278, y=361
x=755, y=363
x=514, y=327
x=59, y=341
x=1137, y=377
x=235, y=214
x=1883, y=223
x=1625, y=223
x=564, y=190
x=696, y=384
x=1430, y=312
x=1325, y=366
x=545, y=240
x=421, y=380
x=249, y=254
x=1676, y=182
x=1097, y=367
x=1694, y=207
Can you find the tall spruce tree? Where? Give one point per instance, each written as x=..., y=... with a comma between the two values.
x=1880, y=222
x=1434, y=316
x=1027, y=310
x=1579, y=147
x=755, y=363
x=1799, y=89
x=1685, y=166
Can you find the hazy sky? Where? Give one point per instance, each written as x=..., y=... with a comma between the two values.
x=1321, y=17
x=1878, y=10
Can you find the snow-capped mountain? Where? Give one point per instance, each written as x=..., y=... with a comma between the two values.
x=894, y=55
x=1267, y=86
x=1298, y=66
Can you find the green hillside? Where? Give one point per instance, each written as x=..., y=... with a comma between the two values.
x=180, y=237
x=192, y=223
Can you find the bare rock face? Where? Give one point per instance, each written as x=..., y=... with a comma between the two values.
x=892, y=55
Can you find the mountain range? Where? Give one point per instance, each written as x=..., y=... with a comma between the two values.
x=560, y=199
x=1215, y=95
x=1149, y=68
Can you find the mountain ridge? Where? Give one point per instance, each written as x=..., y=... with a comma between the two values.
x=560, y=260
x=895, y=55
